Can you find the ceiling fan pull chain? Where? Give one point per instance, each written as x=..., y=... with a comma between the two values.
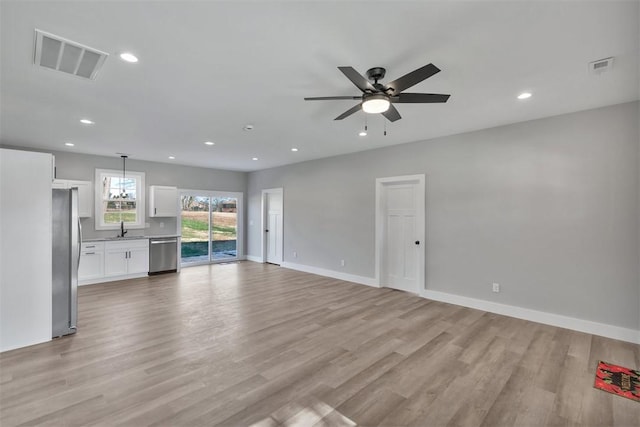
x=385, y=127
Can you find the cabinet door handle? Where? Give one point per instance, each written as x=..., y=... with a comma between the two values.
x=89, y=253
x=155, y=211
x=92, y=246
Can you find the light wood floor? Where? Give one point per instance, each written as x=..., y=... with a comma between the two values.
x=248, y=343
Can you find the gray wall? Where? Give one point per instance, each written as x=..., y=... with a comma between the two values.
x=548, y=208
x=83, y=166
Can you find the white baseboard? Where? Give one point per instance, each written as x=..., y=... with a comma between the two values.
x=253, y=258
x=587, y=326
x=362, y=280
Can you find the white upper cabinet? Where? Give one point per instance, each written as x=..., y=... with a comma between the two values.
x=163, y=201
x=85, y=194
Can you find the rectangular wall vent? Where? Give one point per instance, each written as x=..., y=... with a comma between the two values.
x=64, y=55
x=601, y=65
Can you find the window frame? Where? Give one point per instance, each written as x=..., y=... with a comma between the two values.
x=140, y=199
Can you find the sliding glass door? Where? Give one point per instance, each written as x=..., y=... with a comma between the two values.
x=209, y=226
x=224, y=228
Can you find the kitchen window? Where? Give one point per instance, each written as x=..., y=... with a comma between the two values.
x=119, y=198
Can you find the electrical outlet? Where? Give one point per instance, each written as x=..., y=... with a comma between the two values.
x=295, y=254
x=496, y=287
x=162, y=225
x=342, y=262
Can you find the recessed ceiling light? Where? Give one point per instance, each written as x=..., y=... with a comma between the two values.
x=86, y=121
x=171, y=158
x=69, y=144
x=294, y=149
x=209, y=143
x=129, y=57
x=363, y=133
x=248, y=127
x=524, y=95
x=255, y=158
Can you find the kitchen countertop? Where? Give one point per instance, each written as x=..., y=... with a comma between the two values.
x=117, y=239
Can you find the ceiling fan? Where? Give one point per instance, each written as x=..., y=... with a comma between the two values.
x=379, y=98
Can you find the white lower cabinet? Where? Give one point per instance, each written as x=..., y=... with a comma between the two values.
x=91, y=263
x=126, y=258
x=116, y=260
x=139, y=259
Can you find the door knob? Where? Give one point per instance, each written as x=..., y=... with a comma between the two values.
x=417, y=242
x=266, y=231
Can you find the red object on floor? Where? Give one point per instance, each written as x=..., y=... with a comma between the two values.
x=618, y=380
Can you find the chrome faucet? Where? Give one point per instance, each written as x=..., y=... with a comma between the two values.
x=122, y=230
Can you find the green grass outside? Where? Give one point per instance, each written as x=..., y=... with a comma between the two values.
x=114, y=217
x=195, y=231
x=203, y=226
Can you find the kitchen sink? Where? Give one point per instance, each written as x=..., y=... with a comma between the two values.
x=126, y=238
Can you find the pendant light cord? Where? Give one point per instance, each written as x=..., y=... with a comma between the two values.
x=124, y=162
x=122, y=194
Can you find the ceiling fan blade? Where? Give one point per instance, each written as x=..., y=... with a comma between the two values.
x=411, y=98
x=349, y=112
x=328, y=98
x=392, y=114
x=357, y=79
x=413, y=78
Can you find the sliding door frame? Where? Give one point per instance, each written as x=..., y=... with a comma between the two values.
x=239, y=221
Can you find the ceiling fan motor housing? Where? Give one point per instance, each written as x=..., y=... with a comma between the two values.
x=376, y=73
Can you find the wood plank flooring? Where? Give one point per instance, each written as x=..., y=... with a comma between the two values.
x=255, y=344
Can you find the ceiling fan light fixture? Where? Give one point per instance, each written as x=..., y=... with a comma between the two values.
x=376, y=103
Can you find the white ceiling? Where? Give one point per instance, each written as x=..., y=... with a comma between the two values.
x=207, y=69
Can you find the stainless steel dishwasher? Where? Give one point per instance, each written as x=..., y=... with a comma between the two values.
x=163, y=255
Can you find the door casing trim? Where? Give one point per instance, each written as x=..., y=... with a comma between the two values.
x=418, y=179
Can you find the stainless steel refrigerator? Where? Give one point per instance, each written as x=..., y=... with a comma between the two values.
x=67, y=239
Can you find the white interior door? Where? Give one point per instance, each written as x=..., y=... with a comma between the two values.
x=401, y=234
x=272, y=225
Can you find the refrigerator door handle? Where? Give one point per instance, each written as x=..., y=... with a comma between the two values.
x=79, y=241
x=73, y=294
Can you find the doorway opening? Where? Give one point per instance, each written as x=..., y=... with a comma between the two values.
x=210, y=224
x=400, y=233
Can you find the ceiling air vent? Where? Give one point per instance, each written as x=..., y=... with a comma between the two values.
x=601, y=65
x=60, y=54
